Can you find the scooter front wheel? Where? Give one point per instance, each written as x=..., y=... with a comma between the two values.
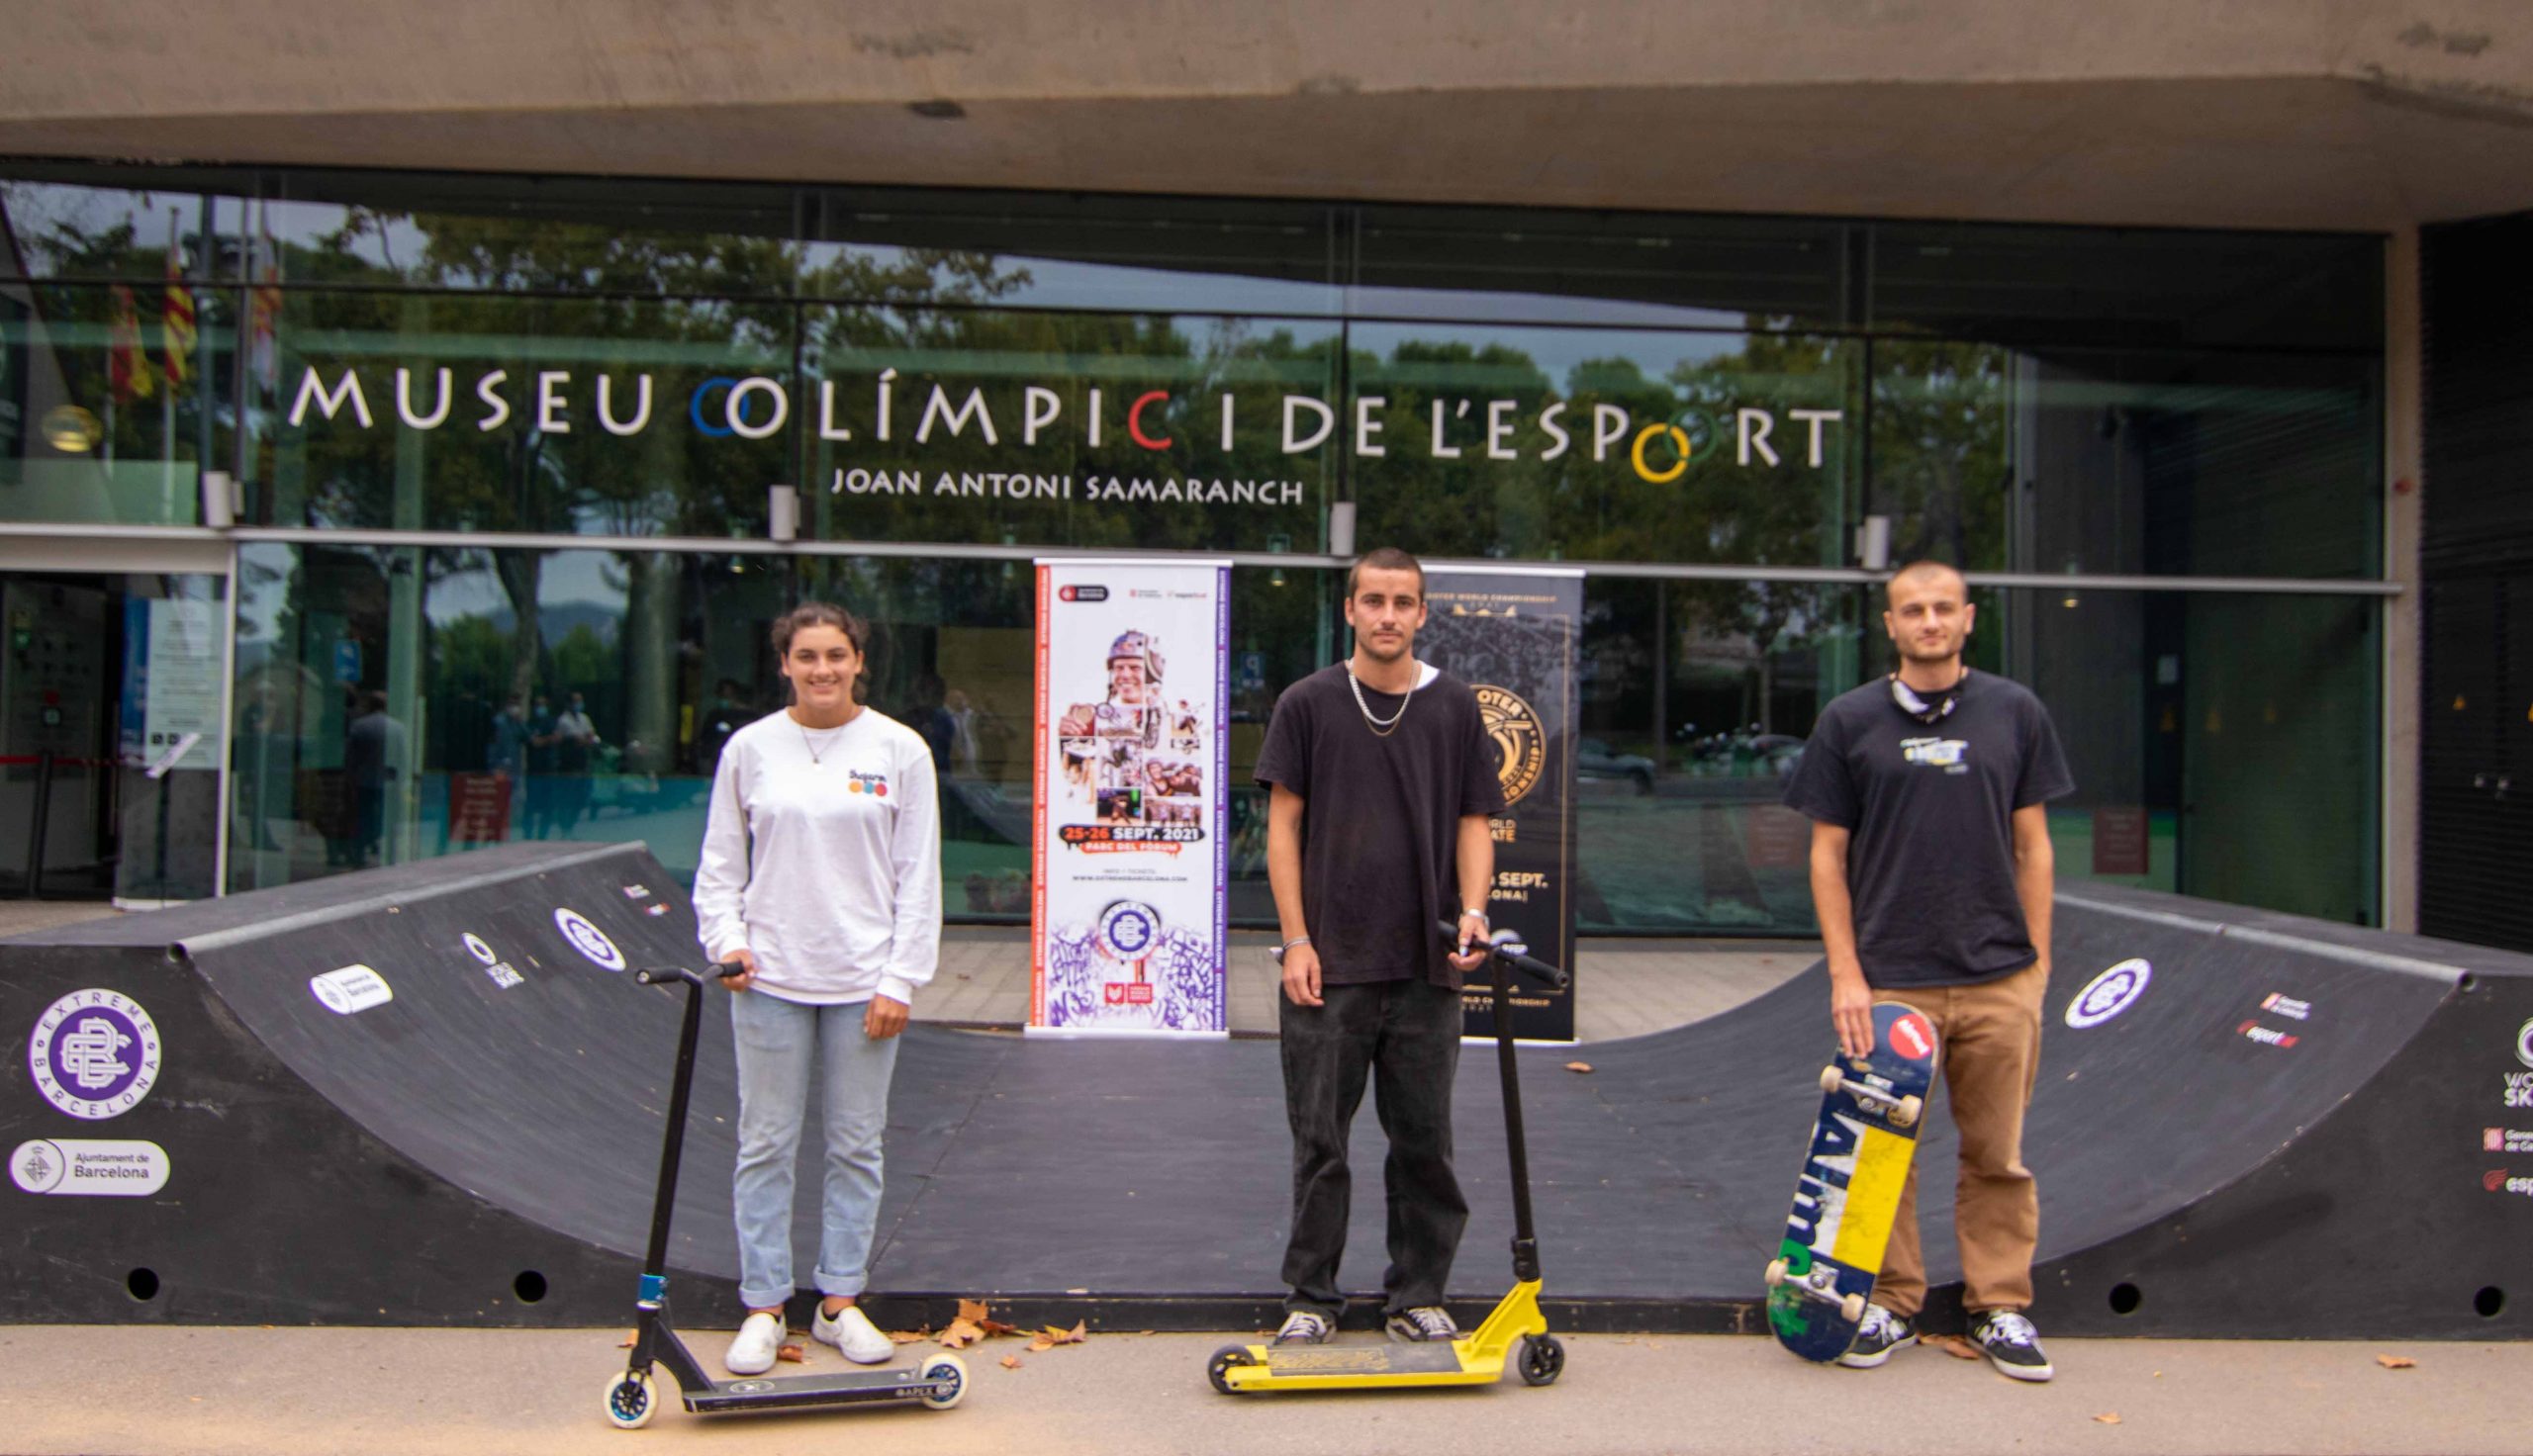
x=631, y=1400
x=949, y=1377
x=1542, y=1359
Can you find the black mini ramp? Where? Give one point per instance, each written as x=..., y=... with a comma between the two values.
x=2288, y=1130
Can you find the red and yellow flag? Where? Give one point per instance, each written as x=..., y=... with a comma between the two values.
x=177, y=320
x=128, y=370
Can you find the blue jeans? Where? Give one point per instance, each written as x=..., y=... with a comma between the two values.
x=778, y=1043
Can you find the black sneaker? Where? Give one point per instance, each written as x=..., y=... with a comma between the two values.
x=2010, y=1344
x=1424, y=1323
x=1881, y=1333
x=1305, y=1328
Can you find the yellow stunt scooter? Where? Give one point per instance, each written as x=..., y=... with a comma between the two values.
x=1473, y=1359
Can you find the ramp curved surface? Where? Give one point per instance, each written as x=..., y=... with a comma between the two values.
x=2285, y=1124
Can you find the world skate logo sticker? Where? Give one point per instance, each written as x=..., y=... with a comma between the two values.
x=2110, y=993
x=2524, y=1043
x=94, y=1054
x=1913, y=1038
x=351, y=989
x=95, y=1167
x=589, y=940
x=502, y=973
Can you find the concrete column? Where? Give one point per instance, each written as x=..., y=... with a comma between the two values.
x=2405, y=406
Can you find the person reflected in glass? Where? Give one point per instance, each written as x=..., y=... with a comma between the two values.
x=542, y=745
x=576, y=745
x=820, y=875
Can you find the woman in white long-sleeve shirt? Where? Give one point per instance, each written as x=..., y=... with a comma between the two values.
x=822, y=876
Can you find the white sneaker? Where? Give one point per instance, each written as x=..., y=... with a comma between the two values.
x=852, y=1331
x=753, y=1351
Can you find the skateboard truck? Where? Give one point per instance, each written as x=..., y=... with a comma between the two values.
x=1903, y=1111
x=1820, y=1284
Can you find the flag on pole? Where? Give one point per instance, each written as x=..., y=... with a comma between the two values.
x=176, y=316
x=264, y=308
x=128, y=370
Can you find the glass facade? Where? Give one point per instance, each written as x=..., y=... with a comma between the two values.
x=429, y=388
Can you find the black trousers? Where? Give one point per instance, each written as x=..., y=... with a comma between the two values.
x=1406, y=1034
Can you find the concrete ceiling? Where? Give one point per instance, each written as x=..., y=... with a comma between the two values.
x=2336, y=113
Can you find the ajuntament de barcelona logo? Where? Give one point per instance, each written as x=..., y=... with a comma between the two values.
x=1521, y=748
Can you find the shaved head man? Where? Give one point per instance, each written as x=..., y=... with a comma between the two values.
x=1932, y=875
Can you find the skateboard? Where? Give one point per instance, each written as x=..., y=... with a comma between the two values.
x=1843, y=1205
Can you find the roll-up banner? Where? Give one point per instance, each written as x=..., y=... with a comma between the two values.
x=1127, y=902
x=1512, y=634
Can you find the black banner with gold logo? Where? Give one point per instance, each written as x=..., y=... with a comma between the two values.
x=1513, y=635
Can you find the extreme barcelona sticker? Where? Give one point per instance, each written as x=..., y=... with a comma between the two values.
x=94, y=1054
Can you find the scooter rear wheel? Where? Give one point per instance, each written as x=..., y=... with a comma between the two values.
x=949, y=1377
x=1542, y=1359
x=631, y=1400
x=1218, y=1369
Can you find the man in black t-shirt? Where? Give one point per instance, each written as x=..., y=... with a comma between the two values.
x=1932, y=872
x=1380, y=779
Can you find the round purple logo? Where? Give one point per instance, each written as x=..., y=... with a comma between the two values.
x=94, y=1054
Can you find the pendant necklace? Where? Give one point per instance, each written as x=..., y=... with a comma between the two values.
x=1380, y=728
x=806, y=742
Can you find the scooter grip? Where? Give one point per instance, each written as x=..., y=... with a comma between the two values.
x=1529, y=965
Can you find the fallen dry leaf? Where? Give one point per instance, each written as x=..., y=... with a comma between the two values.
x=791, y=1353
x=1578, y=1066
x=973, y=1311
x=1011, y=1362
x=960, y=1336
x=1954, y=1345
x=910, y=1337
x=627, y=1343
x=2395, y=1362
x=2108, y=1418
x=994, y=1328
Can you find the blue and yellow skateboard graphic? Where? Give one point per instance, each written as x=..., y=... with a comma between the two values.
x=1844, y=1206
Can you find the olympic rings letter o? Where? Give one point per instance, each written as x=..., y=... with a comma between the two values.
x=1679, y=440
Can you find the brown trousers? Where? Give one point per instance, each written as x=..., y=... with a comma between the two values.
x=1990, y=1035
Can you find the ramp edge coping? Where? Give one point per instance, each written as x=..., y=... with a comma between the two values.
x=221, y=939
x=2373, y=959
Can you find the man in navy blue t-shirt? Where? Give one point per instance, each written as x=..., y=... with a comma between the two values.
x=1931, y=873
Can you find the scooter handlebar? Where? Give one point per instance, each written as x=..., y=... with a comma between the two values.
x=1507, y=945
x=662, y=975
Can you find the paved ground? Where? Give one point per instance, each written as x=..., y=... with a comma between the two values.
x=259, y=1391
x=1627, y=988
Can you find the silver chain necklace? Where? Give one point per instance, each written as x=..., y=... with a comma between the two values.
x=1380, y=728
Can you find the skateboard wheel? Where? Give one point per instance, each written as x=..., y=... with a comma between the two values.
x=1906, y=1112
x=1851, y=1308
x=1832, y=1079
x=1776, y=1272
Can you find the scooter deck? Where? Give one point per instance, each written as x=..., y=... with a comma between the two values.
x=1417, y=1364
x=800, y=1392
x=1477, y=1358
x=1848, y=1196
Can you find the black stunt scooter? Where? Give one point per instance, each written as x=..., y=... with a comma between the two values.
x=631, y=1397
x=1473, y=1359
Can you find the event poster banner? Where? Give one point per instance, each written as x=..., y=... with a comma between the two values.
x=1512, y=634
x=1128, y=900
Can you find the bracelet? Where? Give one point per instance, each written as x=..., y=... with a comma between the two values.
x=1296, y=941
x=1477, y=915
